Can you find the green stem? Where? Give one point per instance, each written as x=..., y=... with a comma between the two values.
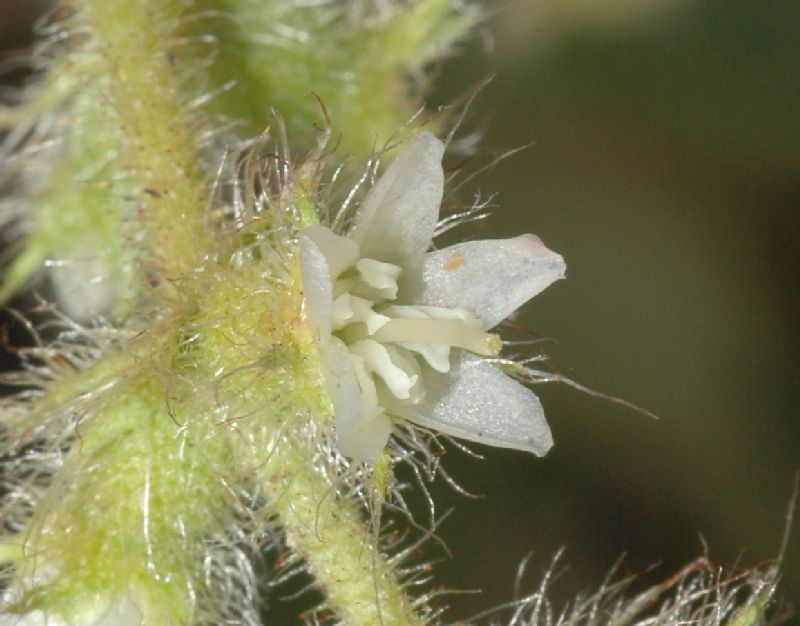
x=360, y=586
x=160, y=150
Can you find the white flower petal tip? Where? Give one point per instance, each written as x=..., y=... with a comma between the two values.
x=367, y=439
x=491, y=278
x=399, y=215
x=477, y=402
x=402, y=332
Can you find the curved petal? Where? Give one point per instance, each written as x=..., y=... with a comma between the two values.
x=491, y=278
x=367, y=439
x=342, y=383
x=317, y=286
x=340, y=252
x=399, y=215
x=477, y=402
x=360, y=436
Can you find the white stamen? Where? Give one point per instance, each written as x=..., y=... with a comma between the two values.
x=381, y=276
x=455, y=334
x=369, y=392
x=377, y=359
x=362, y=312
x=437, y=355
x=350, y=309
x=423, y=312
x=342, y=311
x=403, y=359
x=429, y=331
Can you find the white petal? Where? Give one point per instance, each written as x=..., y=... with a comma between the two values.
x=361, y=435
x=343, y=387
x=399, y=215
x=317, y=286
x=340, y=252
x=367, y=439
x=477, y=402
x=491, y=278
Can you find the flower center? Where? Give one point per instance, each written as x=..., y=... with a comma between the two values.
x=389, y=343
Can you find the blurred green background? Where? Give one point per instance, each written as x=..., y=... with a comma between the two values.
x=666, y=169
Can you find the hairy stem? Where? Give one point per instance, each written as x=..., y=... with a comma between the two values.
x=160, y=151
x=360, y=586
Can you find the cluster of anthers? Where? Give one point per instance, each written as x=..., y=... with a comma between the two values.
x=403, y=330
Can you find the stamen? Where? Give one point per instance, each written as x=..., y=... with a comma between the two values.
x=437, y=355
x=369, y=393
x=455, y=334
x=342, y=311
x=350, y=309
x=381, y=276
x=377, y=359
x=424, y=312
x=388, y=340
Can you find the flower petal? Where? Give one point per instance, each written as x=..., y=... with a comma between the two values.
x=367, y=439
x=340, y=252
x=362, y=430
x=343, y=387
x=317, y=286
x=491, y=278
x=477, y=402
x=399, y=215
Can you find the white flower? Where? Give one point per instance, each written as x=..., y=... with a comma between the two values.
x=403, y=331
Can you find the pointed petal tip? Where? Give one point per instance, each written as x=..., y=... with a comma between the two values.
x=534, y=248
x=367, y=439
x=541, y=445
x=427, y=142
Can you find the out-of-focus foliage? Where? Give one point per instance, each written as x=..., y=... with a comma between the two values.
x=362, y=62
x=357, y=67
